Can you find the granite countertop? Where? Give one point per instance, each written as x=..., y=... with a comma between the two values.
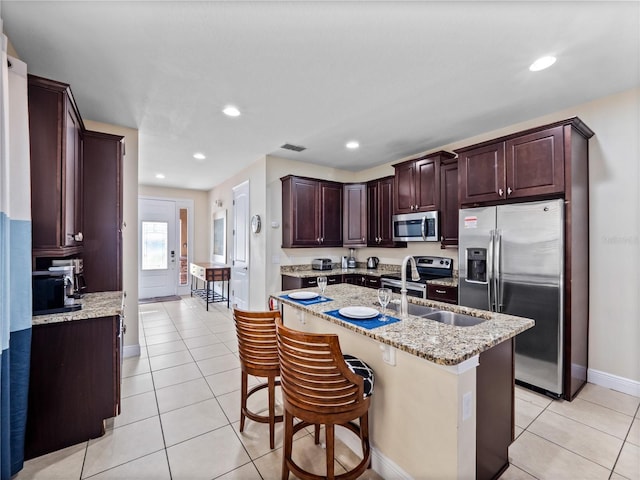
x=94, y=305
x=434, y=341
x=303, y=271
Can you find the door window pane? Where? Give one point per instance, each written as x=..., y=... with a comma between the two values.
x=184, y=250
x=154, y=245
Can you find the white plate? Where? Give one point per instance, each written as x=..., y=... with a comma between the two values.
x=303, y=295
x=358, y=312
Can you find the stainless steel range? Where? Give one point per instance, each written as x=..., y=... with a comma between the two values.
x=429, y=268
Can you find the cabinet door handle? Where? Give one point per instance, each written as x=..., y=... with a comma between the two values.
x=500, y=191
x=509, y=191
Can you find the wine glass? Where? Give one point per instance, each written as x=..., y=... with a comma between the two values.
x=322, y=284
x=384, y=297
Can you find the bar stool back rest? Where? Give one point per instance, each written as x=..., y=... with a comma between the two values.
x=257, y=346
x=258, y=352
x=318, y=388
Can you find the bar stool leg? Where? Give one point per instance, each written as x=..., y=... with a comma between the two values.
x=329, y=433
x=243, y=399
x=272, y=411
x=288, y=444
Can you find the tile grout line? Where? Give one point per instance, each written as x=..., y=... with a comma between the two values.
x=155, y=395
x=612, y=469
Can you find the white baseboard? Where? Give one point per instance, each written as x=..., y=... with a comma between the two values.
x=381, y=464
x=619, y=384
x=131, y=350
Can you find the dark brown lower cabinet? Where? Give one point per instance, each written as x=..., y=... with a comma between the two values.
x=74, y=382
x=494, y=410
x=442, y=293
x=291, y=283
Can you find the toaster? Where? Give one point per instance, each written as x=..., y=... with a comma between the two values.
x=321, y=264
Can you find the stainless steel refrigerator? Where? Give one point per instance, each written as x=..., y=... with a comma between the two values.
x=511, y=261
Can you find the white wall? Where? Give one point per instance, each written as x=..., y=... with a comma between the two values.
x=130, y=232
x=223, y=193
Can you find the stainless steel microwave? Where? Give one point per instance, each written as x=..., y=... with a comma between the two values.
x=416, y=227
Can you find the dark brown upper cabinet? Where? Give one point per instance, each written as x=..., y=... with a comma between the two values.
x=311, y=212
x=355, y=215
x=55, y=139
x=520, y=166
x=380, y=213
x=449, y=203
x=417, y=183
x=102, y=206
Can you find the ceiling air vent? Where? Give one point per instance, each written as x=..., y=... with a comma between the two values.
x=295, y=148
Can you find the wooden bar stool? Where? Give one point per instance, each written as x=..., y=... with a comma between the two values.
x=319, y=387
x=258, y=353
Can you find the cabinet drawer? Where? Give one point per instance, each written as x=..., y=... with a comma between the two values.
x=197, y=271
x=334, y=279
x=442, y=293
x=372, y=282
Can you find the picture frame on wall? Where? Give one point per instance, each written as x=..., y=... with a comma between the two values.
x=219, y=237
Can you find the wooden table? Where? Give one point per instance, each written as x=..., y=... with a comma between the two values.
x=210, y=273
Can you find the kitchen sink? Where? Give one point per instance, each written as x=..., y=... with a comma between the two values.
x=417, y=310
x=455, y=319
x=437, y=315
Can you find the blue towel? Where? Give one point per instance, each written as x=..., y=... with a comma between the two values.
x=311, y=301
x=369, y=323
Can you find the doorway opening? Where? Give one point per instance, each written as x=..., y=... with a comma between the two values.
x=165, y=247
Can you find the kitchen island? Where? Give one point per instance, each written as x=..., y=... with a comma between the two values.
x=443, y=394
x=74, y=380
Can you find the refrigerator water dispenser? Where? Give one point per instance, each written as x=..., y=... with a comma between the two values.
x=477, y=265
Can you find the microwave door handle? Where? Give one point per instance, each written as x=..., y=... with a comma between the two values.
x=423, y=228
x=490, y=296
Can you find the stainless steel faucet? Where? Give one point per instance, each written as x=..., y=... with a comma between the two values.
x=404, y=302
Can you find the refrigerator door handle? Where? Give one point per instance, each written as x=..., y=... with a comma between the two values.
x=499, y=291
x=490, y=293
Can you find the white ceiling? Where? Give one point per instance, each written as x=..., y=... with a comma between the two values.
x=400, y=77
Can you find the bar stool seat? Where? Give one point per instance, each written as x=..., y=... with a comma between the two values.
x=319, y=387
x=258, y=352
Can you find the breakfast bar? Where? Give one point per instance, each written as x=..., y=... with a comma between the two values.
x=443, y=399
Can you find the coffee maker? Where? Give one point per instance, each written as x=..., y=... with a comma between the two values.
x=78, y=284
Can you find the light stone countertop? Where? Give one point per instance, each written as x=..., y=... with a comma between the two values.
x=434, y=341
x=306, y=272
x=94, y=305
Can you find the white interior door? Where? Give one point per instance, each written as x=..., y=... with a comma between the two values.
x=157, y=251
x=240, y=253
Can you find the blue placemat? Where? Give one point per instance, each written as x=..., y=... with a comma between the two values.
x=369, y=323
x=311, y=301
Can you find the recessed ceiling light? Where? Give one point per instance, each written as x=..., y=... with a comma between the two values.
x=353, y=145
x=159, y=175
x=231, y=111
x=199, y=156
x=542, y=63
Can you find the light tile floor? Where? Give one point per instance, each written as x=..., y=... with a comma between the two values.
x=180, y=418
